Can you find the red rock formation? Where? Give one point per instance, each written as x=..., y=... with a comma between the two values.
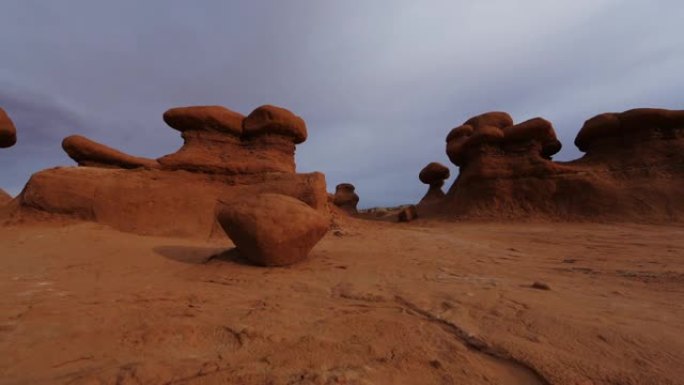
x=4, y=197
x=89, y=153
x=434, y=175
x=633, y=168
x=272, y=229
x=178, y=195
x=345, y=198
x=217, y=140
x=8, y=133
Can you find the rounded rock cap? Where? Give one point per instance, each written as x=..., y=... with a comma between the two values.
x=434, y=173
x=345, y=187
x=204, y=118
x=8, y=133
x=269, y=119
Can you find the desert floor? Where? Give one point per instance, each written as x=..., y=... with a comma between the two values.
x=376, y=303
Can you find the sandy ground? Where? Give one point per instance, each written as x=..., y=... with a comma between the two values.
x=377, y=303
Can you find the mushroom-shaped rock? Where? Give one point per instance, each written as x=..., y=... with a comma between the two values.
x=4, y=197
x=634, y=125
x=496, y=130
x=274, y=120
x=89, y=153
x=8, y=133
x=537, y=130
x=272, y=229
x=204, y=118
x=220, y=141
x=346, y=197
x=434, y=175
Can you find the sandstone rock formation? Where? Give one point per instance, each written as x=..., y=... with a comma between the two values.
x=4, y=197
x=346, y=197
x=89, y=153
x=434, y=175
x=633, y=168
x=8, y=133
x=272, y=229
x=217, y=140
x=177, y=196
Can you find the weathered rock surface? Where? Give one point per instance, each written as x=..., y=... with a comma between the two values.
x=178, y=195
x=633, y=168
x=346, y=198
x=217, y=140
x=89, y=153
x=272, y=229
x=4, y=197
x=434, y=175
x=8, y=133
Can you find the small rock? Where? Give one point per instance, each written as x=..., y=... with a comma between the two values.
x=541, y=286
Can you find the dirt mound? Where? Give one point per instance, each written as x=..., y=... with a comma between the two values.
x=272, y=229
x=633, y=168
x=178, y=195
x=346, y=198
x=8, y=133
x=434, y=175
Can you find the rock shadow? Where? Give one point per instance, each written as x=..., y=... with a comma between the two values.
x=201, y=255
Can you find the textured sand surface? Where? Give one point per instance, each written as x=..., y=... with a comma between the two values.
x=376, y=303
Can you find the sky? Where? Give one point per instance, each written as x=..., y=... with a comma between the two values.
x=380, y=83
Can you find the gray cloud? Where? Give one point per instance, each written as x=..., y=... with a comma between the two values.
x=380, y=83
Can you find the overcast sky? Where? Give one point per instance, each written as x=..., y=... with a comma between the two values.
x=379, y=83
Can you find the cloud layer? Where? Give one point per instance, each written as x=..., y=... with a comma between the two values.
x=380, y=83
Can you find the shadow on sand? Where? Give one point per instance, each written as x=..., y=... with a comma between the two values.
x=201, y=255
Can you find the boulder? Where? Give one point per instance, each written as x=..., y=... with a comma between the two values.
x=434, y=175
x=272, y=229
x=8, y=133
x=89, y=153
x=346, y=198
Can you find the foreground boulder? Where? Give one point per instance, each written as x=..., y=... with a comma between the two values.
x=178, y=194
x=346, y=198
x=434, y=175
x=8, y=133
x=272, y=229
x=633, y=168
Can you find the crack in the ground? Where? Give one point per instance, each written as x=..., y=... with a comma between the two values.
x=470, y=341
